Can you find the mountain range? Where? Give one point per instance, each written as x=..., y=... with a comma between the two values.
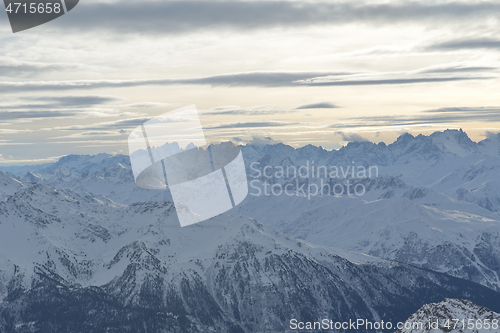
x=81, y=240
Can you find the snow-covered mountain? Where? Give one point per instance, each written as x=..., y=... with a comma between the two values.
x=419, y=161
x=8, y=185
x=79, y=238
x=476, y=183
x=452, y=316
x=103, y=174
x=436, y=194
x=100, y=265
x=448, y=162
x=393, y=221
x=435, y=204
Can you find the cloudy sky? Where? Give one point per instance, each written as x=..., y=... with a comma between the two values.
x=299, y=72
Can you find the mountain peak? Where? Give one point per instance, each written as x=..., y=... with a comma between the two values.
x=447, y=312
x=454, y=141
x=405, y=137
x=453, y=134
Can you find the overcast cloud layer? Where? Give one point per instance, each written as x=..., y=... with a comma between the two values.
x=259, y=79
x=167, y=17
x=298, y=72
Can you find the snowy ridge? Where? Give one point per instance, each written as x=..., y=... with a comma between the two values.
x=435, y=192
x=80, y=231
x=449, y=315
x=412, y=225
x=445, y=161
x=228, y=272
x=8, y=185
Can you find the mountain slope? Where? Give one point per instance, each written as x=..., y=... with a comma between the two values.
x=452, y=316
x=393, y=221
x=103, y=266
x=8, y=185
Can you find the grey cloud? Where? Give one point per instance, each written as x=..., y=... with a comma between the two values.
x=491, y=135
x=471, y=110
x=262, y=79
x=438, y=116
x=236, y=111
x=471, y=43
x=352, y=137
x=394, y=81
x=25, y=69
x=167, y=17
x=61, y=102
x=460, y=69
x=256, y=141
x=105, y=126
x=55, y=107
x=13, y=115
x=95, y=133
x=324, y=105
x=77, y=100
x=254, y=79
x=261, y=124
x=266, y=79
x=145, y=105
x=262, y=141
